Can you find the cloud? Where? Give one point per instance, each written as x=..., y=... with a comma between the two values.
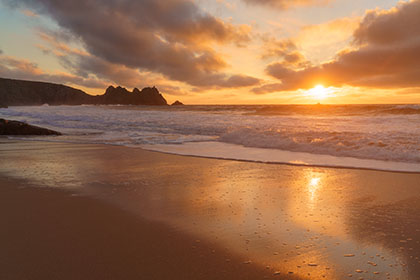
x=385, y=55
x=15, y=68
x=239, y=81
x=386, y=28
x=287, y=4
x=29, y=13
x=85, y=65
x=319, y=41
x=267, y=88
x=169, y=37
x=285, y=50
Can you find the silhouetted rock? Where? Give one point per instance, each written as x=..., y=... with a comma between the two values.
x=20, y=128
x=177, y=103
x=120, y=95
x=114, y=95
x=20, y=93
x=150, y=96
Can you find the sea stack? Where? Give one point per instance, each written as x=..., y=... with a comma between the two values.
x=177, y=103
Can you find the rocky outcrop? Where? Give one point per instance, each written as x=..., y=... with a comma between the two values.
x=21, y=93
x=177, y=103
x=20, y=128
x=120, y=95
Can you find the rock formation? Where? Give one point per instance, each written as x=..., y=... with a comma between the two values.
x=177, y=103
x=21, y=93
x=120, y=95
x=18, y=92
x=20, y=128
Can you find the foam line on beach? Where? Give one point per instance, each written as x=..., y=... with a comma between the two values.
x=236, y=152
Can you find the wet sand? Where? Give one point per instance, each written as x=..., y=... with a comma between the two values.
x=72, y=211
x=49, y=234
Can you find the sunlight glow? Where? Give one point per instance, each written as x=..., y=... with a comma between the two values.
x=313, y=186
x=319, y=92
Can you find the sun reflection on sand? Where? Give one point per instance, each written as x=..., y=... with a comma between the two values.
x=313, y=187
x=299, y=221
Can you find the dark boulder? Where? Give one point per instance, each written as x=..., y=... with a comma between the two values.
x=20, y=128
x=177, y=103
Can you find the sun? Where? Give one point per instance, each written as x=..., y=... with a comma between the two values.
x=319, y=92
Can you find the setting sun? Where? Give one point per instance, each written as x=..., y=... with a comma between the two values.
x=319, y=92
x=209, y=139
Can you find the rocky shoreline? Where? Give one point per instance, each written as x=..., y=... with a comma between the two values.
x=10, y=127
x=31, y=93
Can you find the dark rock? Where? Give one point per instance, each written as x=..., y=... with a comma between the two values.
x=114, y=95
x=119, y=95
x=20, y=128
x=177, y=103
x=21, y=93
x=150, y=96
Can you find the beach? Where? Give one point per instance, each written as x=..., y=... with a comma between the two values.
x=89, y=211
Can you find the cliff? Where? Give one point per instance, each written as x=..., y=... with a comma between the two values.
x=18, y=92
x=21, y=93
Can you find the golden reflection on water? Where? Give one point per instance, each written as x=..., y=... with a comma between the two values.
x=313, y=187
x=293, y=219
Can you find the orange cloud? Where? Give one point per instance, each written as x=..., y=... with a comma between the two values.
x=14, y=68
x=387, y=55
x=29, y=13
x=287, y=4
x=173, y=38
x=285, y=50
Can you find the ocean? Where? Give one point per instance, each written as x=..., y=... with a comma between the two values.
x=381, y=137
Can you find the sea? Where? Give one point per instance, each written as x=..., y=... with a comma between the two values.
x=379, y=137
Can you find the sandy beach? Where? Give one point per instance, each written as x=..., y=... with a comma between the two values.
x=79, y=211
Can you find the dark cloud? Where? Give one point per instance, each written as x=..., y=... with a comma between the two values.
x=387, y=55
x=287, y=4
x=399, y=25
x=170, y=37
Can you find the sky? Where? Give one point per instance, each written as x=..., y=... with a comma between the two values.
x=220, y=51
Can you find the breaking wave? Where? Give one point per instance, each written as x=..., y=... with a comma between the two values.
x=379, y=132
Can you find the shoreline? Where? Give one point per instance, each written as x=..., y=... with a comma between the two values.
x=231, y=159
x=298, y=219
x=283, y=163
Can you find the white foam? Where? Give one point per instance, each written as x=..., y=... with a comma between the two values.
x=235, y=152
x=360, y=134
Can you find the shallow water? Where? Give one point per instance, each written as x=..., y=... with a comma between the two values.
x=373, y=132
x=311, y=222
